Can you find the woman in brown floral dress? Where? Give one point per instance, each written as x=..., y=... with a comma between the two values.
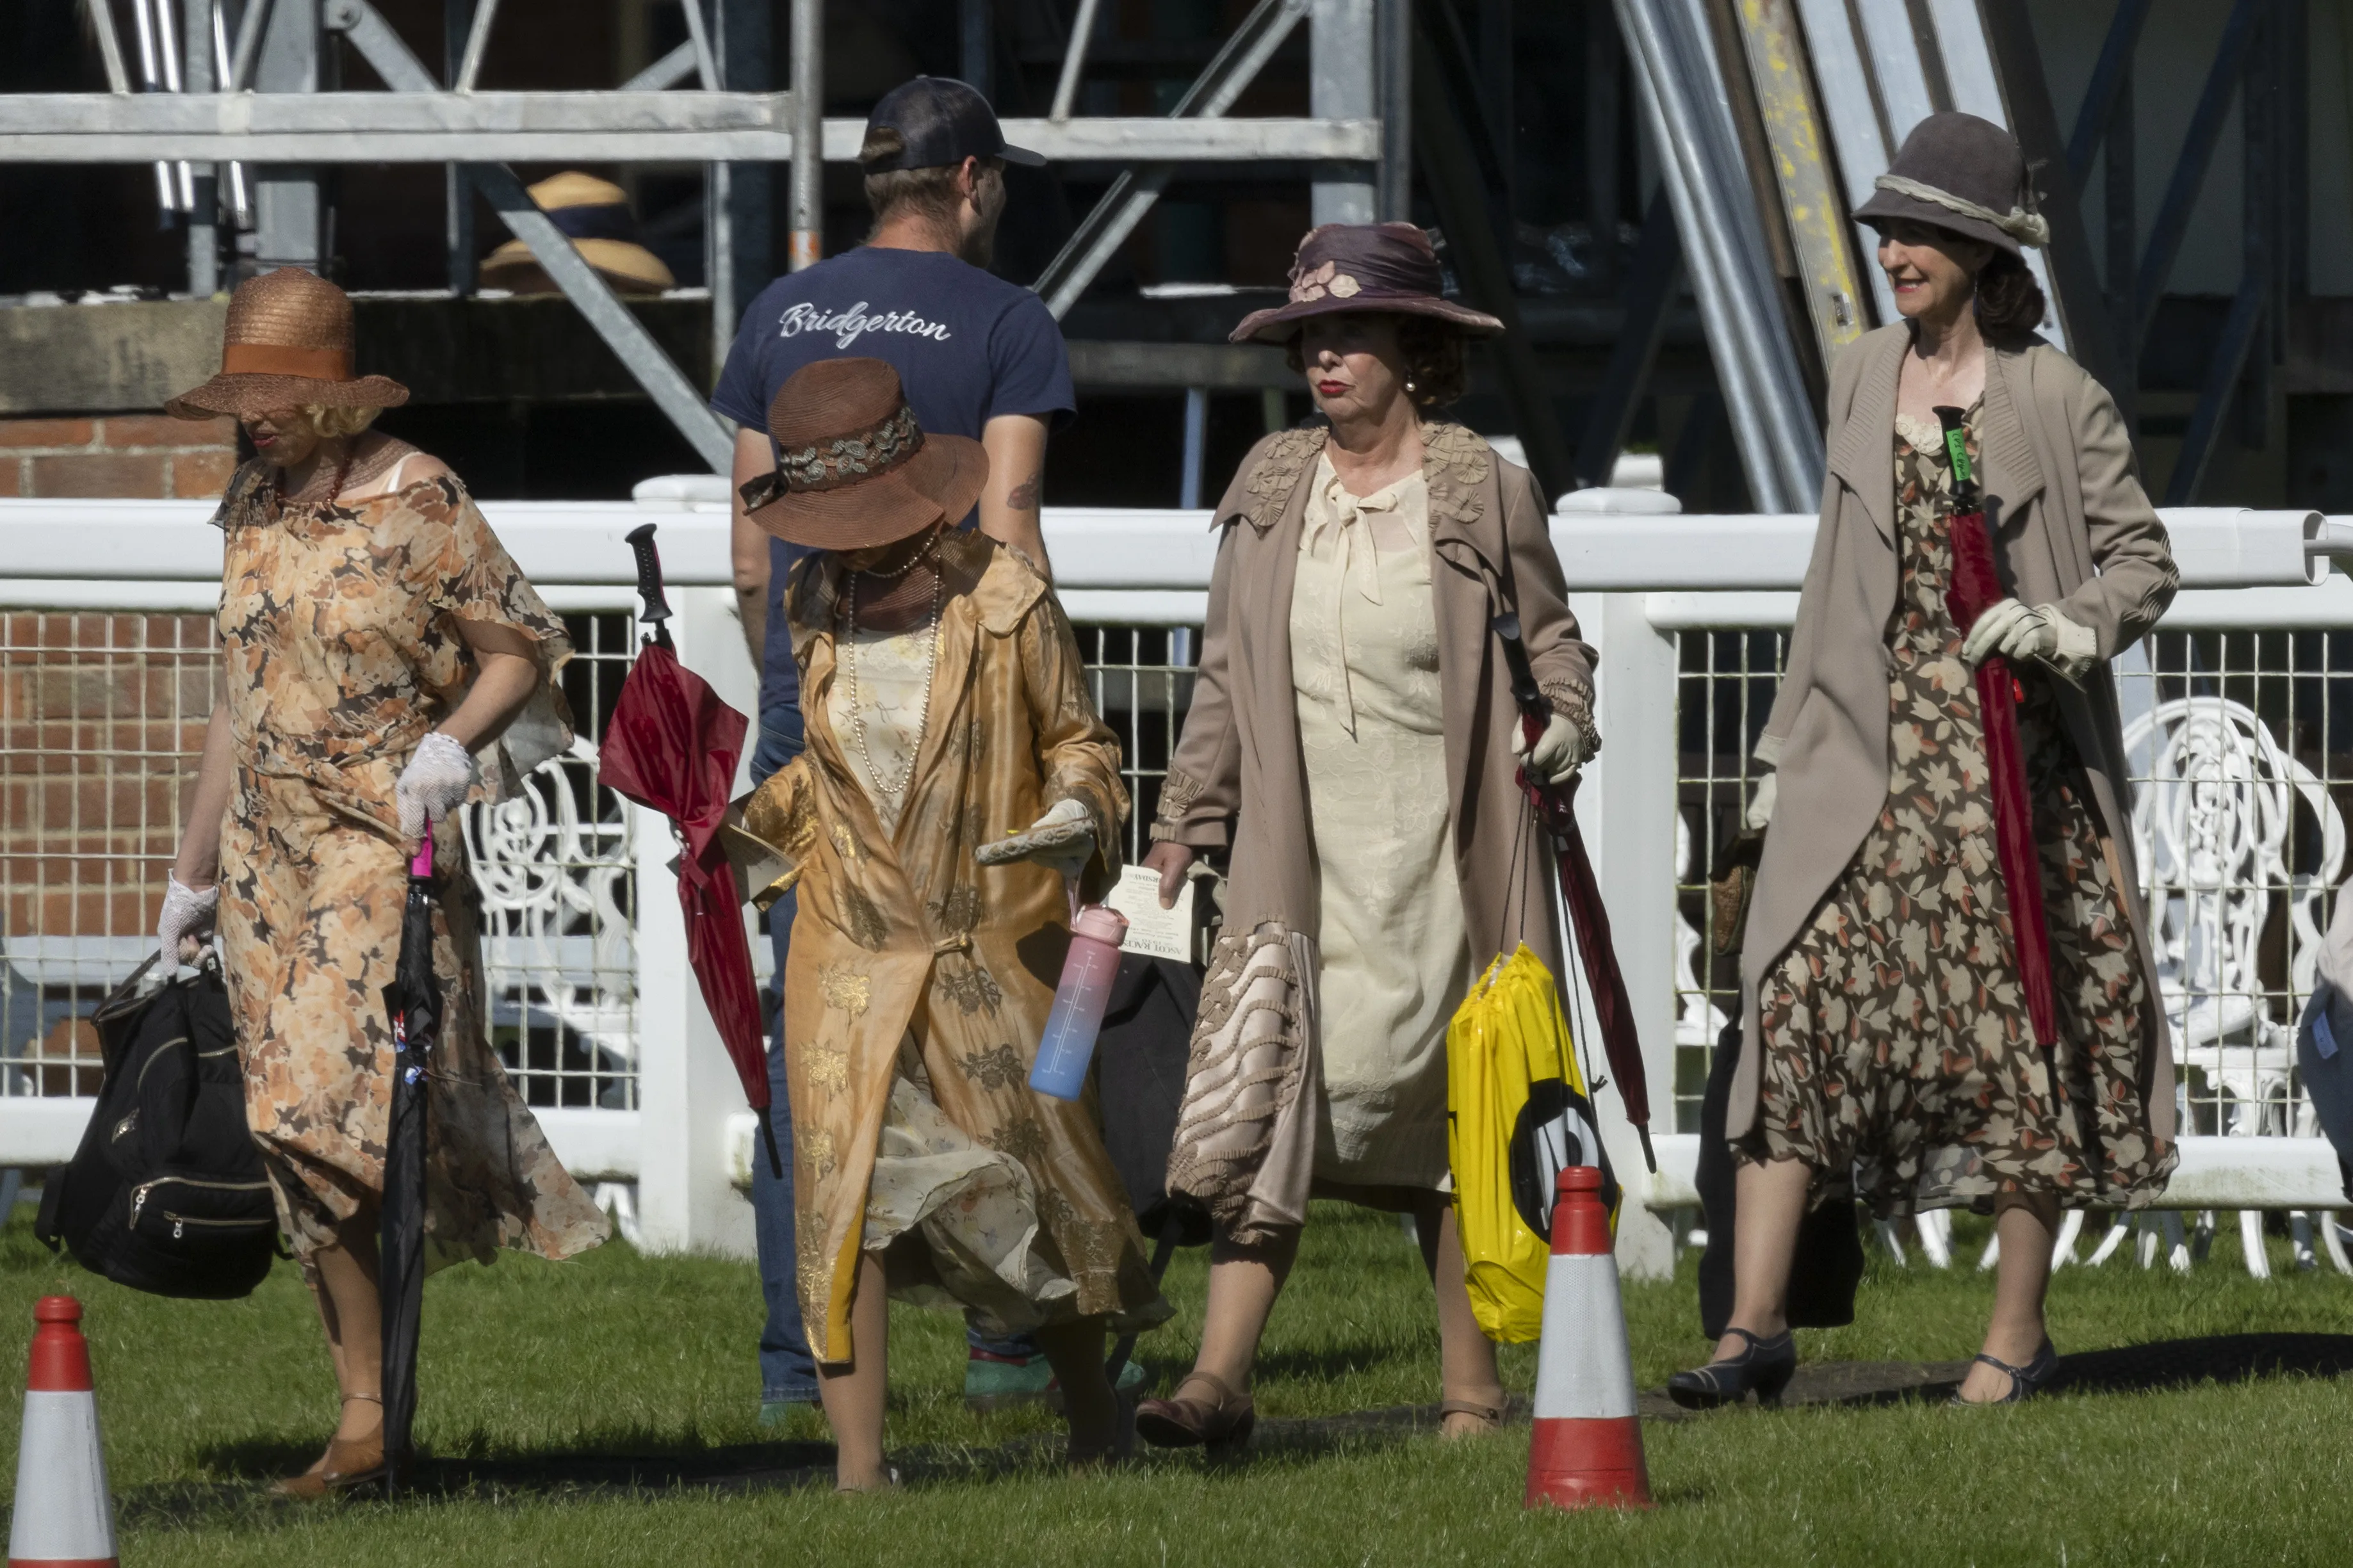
x=1888, y=1055
x=374, y=639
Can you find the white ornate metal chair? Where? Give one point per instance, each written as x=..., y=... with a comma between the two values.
x=557, y=887
x=2213, y=824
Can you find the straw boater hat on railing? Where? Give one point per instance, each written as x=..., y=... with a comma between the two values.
x=853, y=469
x=1379, y=267
x=1964, y=175
x=287, y=344
x=595, y=214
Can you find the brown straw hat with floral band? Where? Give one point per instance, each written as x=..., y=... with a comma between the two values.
x=288, y=344
x=854, y=470
x=1340, y=267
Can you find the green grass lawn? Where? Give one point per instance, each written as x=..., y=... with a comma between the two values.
x=528, y=1364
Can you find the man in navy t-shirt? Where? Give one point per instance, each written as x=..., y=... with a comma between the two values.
x=980, y=357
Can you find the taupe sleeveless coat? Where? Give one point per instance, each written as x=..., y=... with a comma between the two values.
x=2072, y=527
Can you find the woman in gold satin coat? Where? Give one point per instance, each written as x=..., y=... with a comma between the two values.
x=946, y=709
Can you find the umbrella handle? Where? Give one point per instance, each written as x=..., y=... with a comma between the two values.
x=649, y=579
x=421, y=867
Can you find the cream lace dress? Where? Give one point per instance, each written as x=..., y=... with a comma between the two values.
x=1396, y=956
x=975, y=1209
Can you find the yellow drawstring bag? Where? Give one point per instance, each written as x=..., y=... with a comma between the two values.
x=1518, y=1114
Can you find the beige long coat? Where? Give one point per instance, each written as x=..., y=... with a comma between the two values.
x=1238, y=783
x=900, y=933
x=2072, y=528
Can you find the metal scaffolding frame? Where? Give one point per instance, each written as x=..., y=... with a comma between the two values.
x=298, y=122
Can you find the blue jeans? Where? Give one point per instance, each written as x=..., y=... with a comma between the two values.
x=787, y=1372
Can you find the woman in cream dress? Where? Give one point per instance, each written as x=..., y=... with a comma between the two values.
x=1350, y=749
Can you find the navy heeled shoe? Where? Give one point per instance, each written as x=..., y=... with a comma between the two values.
x=2024, y=1381
x=1764, y=1368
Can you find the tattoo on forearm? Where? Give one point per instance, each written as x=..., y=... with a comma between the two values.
x=1023, y=497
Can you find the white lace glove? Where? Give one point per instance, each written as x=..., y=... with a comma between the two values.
x=433, y=783
x=1560, y=749
x=1062, y=840
x=1760, y=805
x=188, y=914
x=2041, y=632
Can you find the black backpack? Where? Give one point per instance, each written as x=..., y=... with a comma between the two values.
x=166, y=1194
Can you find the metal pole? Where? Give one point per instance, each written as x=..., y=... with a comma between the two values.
x=240, y=203
x=459, y=241
x=151, y=79
x=478, y=44
x=1197, y=446
x=204, y=211
x=110, y=46
x=807, y=240
x=1393, y=187
x=1074, y=59
x=1342, y=76
x=977, y=45
x=289, y=216
x=249, y=28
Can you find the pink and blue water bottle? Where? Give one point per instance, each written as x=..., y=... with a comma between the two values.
x=1069, y=1042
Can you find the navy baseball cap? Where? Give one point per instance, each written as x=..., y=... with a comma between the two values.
x=942, y=122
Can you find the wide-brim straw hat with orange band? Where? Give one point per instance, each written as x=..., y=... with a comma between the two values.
x=287, y=344
x=854, y=470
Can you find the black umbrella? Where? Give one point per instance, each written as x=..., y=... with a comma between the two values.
x=413, y=1001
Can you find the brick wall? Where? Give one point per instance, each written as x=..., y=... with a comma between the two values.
x=134, y=455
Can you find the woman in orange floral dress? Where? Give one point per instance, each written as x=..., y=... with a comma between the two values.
x=376, y=638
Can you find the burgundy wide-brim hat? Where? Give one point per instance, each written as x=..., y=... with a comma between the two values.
x=1964, y=175
x=854, y=470
x=1344, y=267
x=287, y=344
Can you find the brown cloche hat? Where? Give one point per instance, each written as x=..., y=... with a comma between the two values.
x=853, y=469
x=287, y=344
x=1962, y=174
x=1386, y=267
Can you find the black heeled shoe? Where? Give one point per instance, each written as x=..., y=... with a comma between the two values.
x=2025, y=1381
x=1765, y=1369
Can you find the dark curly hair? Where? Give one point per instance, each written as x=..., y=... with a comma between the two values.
x=1436, y=353
x=2010, y=301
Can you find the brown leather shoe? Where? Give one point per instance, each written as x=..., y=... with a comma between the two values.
x=346, y=1464
x=1217, y=1425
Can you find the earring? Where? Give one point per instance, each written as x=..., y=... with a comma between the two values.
x=1411, y=387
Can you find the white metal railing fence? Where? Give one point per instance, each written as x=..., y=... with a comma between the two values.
x=2244, y=703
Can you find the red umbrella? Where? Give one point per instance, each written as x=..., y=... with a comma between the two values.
x=1556, y=808
x=1977, y=587
x=671, y=745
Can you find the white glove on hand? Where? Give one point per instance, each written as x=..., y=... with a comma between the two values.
x=1760, y=805
x=433, y=783
x=187, y=916
x=1560, y=749
x=2042, y=633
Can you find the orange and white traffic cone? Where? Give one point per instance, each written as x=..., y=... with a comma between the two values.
x=64, y=1516
x=1587, y=1447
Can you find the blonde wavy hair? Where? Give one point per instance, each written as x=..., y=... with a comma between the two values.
x=331, y=420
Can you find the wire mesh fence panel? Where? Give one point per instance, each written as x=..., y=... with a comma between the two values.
x=102, y=721
x=1141, y=681
x=101, y=724
x=1724, y=693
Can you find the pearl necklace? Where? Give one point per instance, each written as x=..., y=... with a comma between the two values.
x=857, y=700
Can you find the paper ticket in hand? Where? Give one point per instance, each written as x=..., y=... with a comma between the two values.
x=1152, y=931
